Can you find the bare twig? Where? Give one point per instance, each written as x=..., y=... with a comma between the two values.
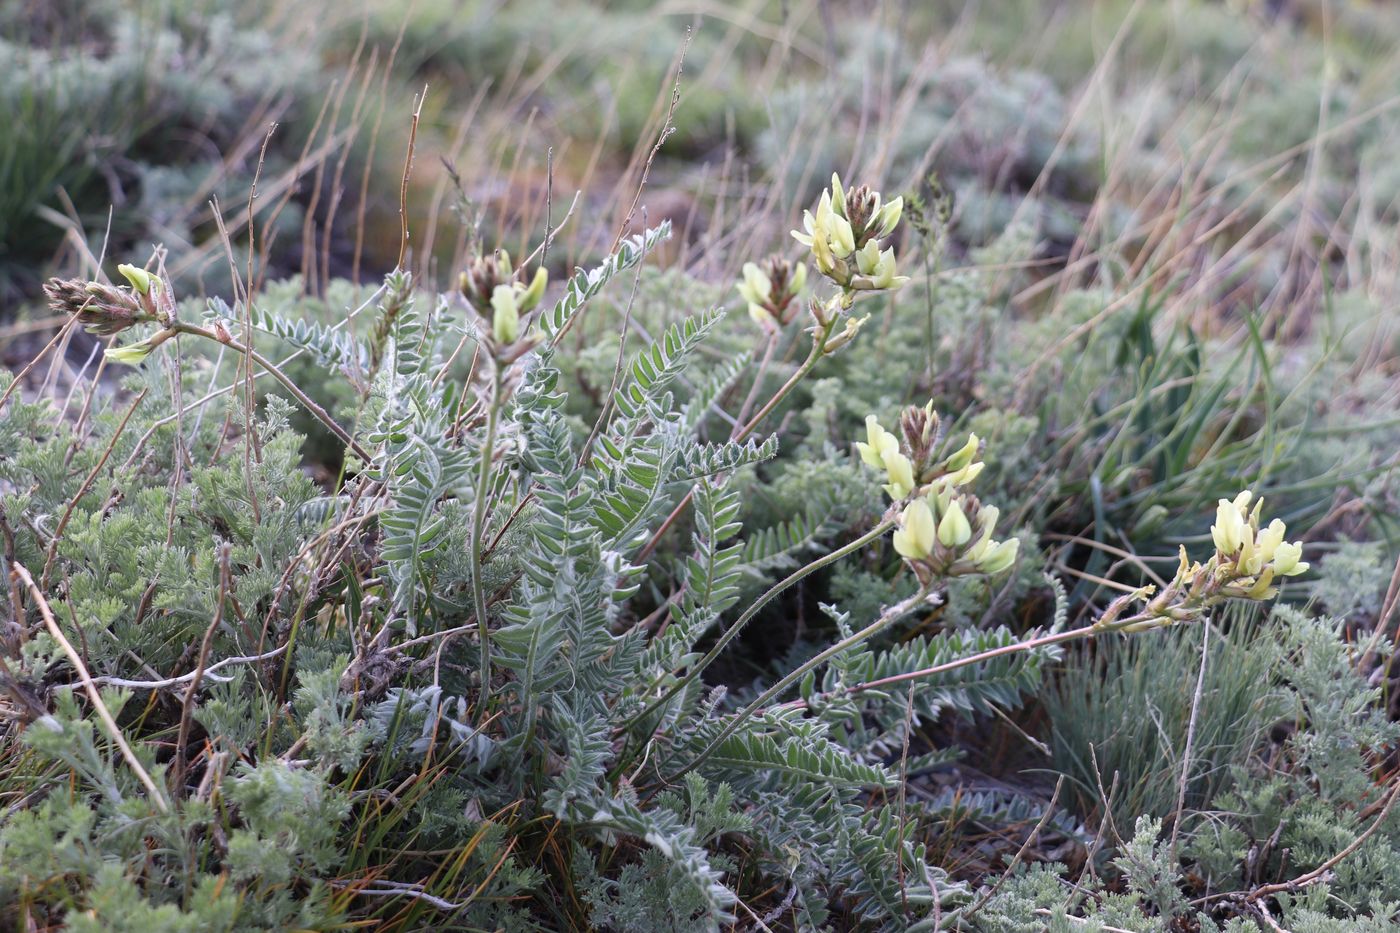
x=407, y=170
x=1190, y=738
x=187, y=707
x=585, y=451
x=1020, y=853
x=83, y=490
x=668, y=127
x=1307, y=878
x=157, y=795
x=19, y=378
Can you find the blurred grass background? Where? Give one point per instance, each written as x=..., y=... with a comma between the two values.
x=1240, y=146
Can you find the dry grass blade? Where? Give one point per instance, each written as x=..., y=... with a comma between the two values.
x=113, y=730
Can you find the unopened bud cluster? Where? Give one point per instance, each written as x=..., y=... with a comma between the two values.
x=491, y=288
x=923, y=456
x=944, y=530
x=106, y=310
x=771, y=289
x=1246, y=563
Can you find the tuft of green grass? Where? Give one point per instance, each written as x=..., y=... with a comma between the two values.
x=1119, y=712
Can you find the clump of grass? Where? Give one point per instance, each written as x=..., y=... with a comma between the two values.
x=1119, y=713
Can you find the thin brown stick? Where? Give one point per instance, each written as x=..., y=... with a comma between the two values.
x=187, y=707
x=83, y=490
x=668, y=127
x=157, y=795
x=818, y=348
x=306, y=401
x=1020, y=853
x=403, y=180
x=585, y=451
x=1310, y=877
x=19, y=377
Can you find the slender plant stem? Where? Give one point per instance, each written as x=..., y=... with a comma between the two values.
x=83, y=490
x=809, y=364
x=887, y=618
x=483, y=478
x=769, y=346
x=890, y=615
x=753, y=610
x=319, y=413
x=1190, y=737
x=201, y=664
x=1044, y=641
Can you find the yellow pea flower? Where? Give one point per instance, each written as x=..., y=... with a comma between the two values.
x=915, y=536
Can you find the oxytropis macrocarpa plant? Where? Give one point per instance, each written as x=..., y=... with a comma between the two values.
x=493, y=621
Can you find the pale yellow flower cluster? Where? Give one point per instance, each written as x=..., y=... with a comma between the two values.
x=882, y=451
x=848, y=231
x=1246, y=562
x=943, y=530
x=937, y=527
x=1251, y=557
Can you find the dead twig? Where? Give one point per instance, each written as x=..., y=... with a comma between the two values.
x=157, y=795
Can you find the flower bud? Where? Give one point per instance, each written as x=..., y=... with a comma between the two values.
x=843, y=241
x=862, y=204
x=1229, y=529
x=141, y=280
x=830, y=238
x=901, y=474
x=888, y=218
x=483, y=274
x=131, y=354
x=838, y=195
x=868, y=258
x=954, y=529
x=848, y=333
x=1261, y=588
x=799, y=279
x=505, y=320
x=762, y=317
x=755, y=288
x=1000, y=556
x=963, y=455
x=102, y=309
x=987, y=519
x=919, y=425
x=967, y=474
x=532, y=295
x=772, y=287
x=915, y=537
x=881, y=443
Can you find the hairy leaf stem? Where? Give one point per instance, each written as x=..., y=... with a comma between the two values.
x=483, y=478
x=319, y=413
x=775, y=590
